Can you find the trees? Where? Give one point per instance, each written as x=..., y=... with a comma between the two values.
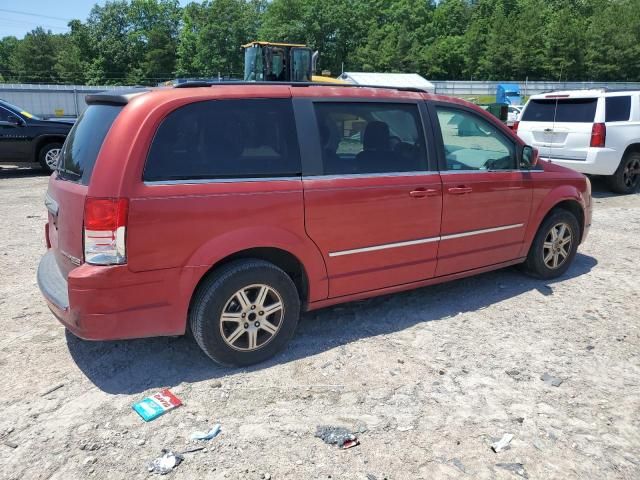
x=212, y=32
x=7, y=48
x=148, y=41
x=33, y=58
x=154, y=30
x=614, y=42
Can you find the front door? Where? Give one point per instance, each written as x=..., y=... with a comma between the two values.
x=486, y=198
x=374, y=207
x=12, y=138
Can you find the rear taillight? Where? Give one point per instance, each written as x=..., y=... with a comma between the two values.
x=105, y=225
x=598, y=135
x=514, y=127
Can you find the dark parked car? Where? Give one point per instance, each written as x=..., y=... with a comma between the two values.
x=27, y=138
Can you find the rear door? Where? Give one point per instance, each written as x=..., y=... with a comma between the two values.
x=559, y=128
x=486, y=199
x=68, y=186
x=373, y=202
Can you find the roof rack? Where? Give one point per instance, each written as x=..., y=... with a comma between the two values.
x=199, y=83
x=600, y=89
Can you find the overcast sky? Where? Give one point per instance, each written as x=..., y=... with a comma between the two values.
x=19, y=18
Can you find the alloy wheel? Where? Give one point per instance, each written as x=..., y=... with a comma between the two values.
x=252, y=317
x=557, y=245
x=51, y=158
x=631, y=173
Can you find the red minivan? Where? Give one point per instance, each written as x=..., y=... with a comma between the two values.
x=227, y=209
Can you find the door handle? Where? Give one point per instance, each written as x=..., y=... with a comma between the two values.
x=424, y=192
x=461, y=190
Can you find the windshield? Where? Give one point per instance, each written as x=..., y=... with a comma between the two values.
x=22, y=112
x=80, y=150
x=253, y=69
x=578, y=110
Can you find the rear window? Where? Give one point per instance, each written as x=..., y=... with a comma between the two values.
x=220, y=139
x=618, y=109
x=576, y=110
x=83, y=143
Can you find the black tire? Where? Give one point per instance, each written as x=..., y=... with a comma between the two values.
x=624, y=180
x=42, y=155
x=535, y=264
x=218, y=293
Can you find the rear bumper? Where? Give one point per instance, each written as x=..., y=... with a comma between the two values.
x=598, y=161
x=111, y=303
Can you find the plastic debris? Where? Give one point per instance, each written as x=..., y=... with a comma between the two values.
x=52, y=389
x=502, y=443
x=551, y=380
x=193, y=450
x=165, y=463
x=516, y=468
x=459, y=465
x=152, y=407
x=337, y=436
x=215, y=430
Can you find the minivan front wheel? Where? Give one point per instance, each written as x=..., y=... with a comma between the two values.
x=626, y=179
x=554, y=246
x=48, y=156
x=244, y=312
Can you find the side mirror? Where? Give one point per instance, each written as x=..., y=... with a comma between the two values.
x=529, y=158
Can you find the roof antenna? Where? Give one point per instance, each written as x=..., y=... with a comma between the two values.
x=555, y=112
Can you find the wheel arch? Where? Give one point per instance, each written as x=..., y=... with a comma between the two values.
x=572, y=206
x=564, y=198
x=281, y=258
x=42, y=140
x=631, y=148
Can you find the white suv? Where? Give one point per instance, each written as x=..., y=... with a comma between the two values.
x=592, y=131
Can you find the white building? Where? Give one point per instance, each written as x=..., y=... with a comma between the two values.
x=398, y=80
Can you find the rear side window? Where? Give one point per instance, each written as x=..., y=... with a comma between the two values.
x=578, y=110
x=370, y=137
x=220, y=139
x=618, y=109
x=84, y=141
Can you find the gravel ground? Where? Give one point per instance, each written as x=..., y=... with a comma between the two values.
x=428, y=379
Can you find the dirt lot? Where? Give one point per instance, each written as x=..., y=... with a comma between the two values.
x=428, y=378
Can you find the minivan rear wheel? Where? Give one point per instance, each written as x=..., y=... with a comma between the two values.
x=48, y=156
x=554, y=246
x=626, y=179
x=244, y=312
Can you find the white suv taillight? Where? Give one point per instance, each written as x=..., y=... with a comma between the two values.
x=598, y=135
x=105, y=226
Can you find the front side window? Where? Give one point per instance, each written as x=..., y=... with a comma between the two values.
x=618, y=109
x=366, y=137
x=23, y=112
x=473, y=143
x=5, y=114
x=220, y=139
